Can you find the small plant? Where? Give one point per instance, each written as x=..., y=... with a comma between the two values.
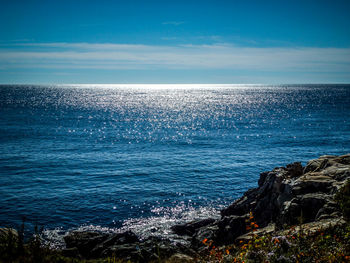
x=343, y=199
x=250, y=251
x=251, y=224
x=8, y=244
x=294, y=245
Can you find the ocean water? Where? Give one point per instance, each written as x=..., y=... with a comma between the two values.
x=145, y=157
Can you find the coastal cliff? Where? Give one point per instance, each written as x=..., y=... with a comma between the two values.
x=285, y=197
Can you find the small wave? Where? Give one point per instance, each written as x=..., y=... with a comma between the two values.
x=159, y=224
x=165, y=217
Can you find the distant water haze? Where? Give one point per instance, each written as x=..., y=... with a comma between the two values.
x=145, y=157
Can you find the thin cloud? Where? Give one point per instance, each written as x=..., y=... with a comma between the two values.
x=217, y=56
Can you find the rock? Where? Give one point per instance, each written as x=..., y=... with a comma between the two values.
x=343, y=159
x=221, y=232
x=190, y=228
x=126, y=252
x=340, y=174
x=113, y=240
x=329, y=210
x=313, y=227
x=229, y=229
x=180, y=258
x=266, y=200
x=313, y=184
x=71, y=252
x=259, y=232
x=152, y=249
x=161, y=247
x=319, y=164
x=241, y=206
x=295, y=169
x=126, y=246
x=85, y=242
x=301, y=209
x=95, y=244
x=288, y=195
x=7, y=234
x=208, y=232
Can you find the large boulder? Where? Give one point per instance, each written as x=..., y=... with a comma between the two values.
x=289, y=195
x=302, y=209
x=265, y=201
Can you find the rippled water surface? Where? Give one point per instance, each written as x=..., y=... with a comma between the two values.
x=147, y=156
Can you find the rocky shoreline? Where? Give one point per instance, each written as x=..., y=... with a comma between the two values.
x=292, y=197
x=285, y=196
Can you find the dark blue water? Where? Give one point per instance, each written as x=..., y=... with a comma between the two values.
x=128, y=156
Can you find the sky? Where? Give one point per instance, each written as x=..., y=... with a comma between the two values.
x=247, y=41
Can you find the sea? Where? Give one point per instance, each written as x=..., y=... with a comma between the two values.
x=146, y=157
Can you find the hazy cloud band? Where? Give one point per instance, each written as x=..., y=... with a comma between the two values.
x=219, y=56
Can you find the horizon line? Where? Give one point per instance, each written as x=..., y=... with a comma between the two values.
x=178, y=84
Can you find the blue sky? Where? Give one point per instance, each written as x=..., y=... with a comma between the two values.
x=174, y=41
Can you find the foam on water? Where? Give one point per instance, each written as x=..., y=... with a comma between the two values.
x=159, y=224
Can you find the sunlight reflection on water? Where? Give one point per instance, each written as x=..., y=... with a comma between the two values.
x=114, y=156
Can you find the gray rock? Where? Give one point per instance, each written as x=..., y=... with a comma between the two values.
x=271, y=228
x=191, y=227
x=180, y=258
x=313, y=184
x=295, y=169
x=242, y=205
x=285, y=196
x=85, y=242
x=290, y=195
x=113, y=240
x=208, y=232
x=126, y=246
x=8, y=233
x=343, y=159
x=301, y=209
x=229, y=229
x=125, y=251
x=319, y=164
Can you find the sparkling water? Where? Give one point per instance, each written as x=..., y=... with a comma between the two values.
x=145, y=157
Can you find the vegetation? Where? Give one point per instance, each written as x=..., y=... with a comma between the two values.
x=343, y=199
x=331, y=245
x=14, y=250
x=325, y=245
